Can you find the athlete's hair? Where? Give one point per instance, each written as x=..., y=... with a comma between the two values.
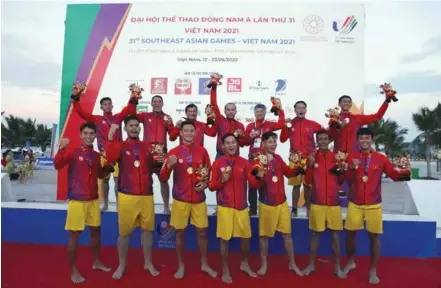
x=89, y=125
x=260, y=106
x=365, y=131
x=187, y=122
x=130, y=118
x=105, y=99
x=344, y=97
x=226, y=136
x=157, y=96
x=300, y=102
x=230, y=103
x=322, y=132
x=269, y=135
x=190, y=106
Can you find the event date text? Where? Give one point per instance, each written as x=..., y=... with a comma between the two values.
x=204, y=59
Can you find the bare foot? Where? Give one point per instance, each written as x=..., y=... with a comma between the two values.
x=180, y=273
x=349, y=266
x=263, y=268
x=293, y=267
x=227, y=278
x=119, y=272
x=340, y=274
x=152, y=270
x=76, y=277
x=245, y=267
x=98, y=265
x=167, y=211
x=373, y=278
x=207, y=269
x=308, y=270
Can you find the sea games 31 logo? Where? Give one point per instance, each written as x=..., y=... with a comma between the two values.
x=203, y=82
x=166, y=235
x=344, y=30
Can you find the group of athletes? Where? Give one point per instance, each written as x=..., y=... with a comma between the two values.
x=231, y=177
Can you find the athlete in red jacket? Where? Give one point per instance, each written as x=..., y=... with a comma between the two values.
x=273, y=209
x=84, y=168
x=135, y=199
x=365, y=198
x=190, y=164
x=253, y=134
x=191, y=112
x=226, y=124
x=301, y=138
x=156, y=126
x=103, y=123
x=230, y=175
x=325, y=207
x=345, y=139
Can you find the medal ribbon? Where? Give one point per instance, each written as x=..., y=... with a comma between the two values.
x=135, y=149
x=229, y=163
x=188, y=157
x=89, y=157
x=231, y=126
x=261, y=127
x=272, y=165
x=367, y=164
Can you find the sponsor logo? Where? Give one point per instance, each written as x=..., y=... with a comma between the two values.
x=345, y=27
x=344, y=30
x=259, y=86
x=203, y=82
x=183, y=86
x=314, y=26
x=234, y=85
x=166, y=235
x=280, y=87
x=158, y=85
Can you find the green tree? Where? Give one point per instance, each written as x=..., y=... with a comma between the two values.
x=389, y=134
x=17, y=131
x=426, y=122
x=42, y=137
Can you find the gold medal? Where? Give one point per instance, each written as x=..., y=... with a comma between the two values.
x=275, y=179
x=136, y=163
x=190, y=170
x=288, y=124
x=365, y=179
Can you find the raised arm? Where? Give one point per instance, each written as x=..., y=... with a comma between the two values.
x=280, y=124
x=167, y=167
x=243, y=141
x=213, y=101
x=130, y=109
x=368, y=119
x=210, y=130
x=62, y=158
x=174, y=134
x=284, y=135
x=86, y=116
x=112, y=148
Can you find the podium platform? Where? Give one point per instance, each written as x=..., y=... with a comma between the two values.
x=43, y=223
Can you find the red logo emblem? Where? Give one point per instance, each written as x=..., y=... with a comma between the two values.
x=183, y=87
x=158, y=86
x=234, y=85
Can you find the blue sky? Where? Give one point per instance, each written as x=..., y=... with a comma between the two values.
x=403, y=46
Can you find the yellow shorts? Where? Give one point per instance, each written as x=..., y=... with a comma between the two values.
x=181, y=211
x=81, y=214
x=357, y=214
x=115, y=174
x=233, y=223
x=134, y=211
x=274, y=218
x=322, y=217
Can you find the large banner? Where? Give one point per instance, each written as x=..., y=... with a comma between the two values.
x=309, y=52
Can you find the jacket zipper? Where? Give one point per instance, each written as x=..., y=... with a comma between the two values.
x=326, y=179
x=300, y=136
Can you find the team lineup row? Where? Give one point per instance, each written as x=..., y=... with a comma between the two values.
x=229, y=175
